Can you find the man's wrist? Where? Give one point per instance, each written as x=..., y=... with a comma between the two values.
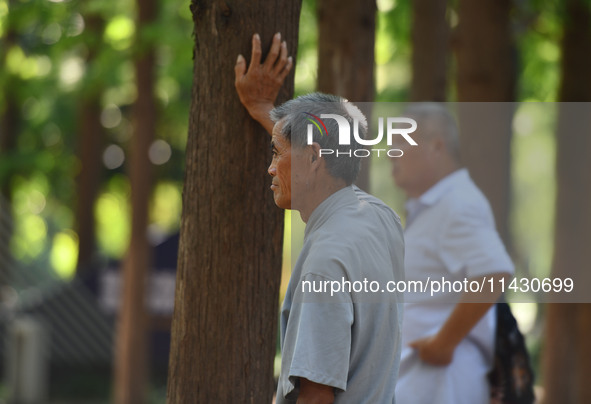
x=261, y=112
x=445, y=342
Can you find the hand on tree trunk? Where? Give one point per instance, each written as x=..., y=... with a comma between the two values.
x=259, y=86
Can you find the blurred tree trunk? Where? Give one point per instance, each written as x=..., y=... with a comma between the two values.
x=430, y=49
x=486, y=71
x=90, y=147
x=131, y=362
x=9, y=106
x=9, y=119
x=225, y=317
x=346, y=62
x=567, y=353
x=9, y=125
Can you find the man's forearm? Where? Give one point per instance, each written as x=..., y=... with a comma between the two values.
x=261, y=115
x=315, y=393
x=462, y=319
x=439, y=348
x=467, y=313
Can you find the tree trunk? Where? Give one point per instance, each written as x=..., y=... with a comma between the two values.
x=486, y=71
x=10, y=116
x=10, y=110
x=430, y=48
x=131, y=362
x=91, y=142
x=225, y=317
x=8, y=134
x=346, y=62
x=567, y=353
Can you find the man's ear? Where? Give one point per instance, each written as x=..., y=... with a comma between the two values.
x=439, y=144
x=314, y=153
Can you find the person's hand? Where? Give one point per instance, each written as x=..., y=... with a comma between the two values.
x=433, y=351
x=259, y=86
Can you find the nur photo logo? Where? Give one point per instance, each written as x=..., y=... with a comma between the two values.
x=395, y=126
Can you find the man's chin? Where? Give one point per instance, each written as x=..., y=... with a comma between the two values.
x=281, y=203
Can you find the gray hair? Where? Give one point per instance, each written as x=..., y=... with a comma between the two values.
x=295, y=115
x=437, y=121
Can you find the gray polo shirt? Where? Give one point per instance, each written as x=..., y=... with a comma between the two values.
x=348, y=339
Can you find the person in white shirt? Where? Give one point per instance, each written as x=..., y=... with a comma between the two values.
x=447, y=340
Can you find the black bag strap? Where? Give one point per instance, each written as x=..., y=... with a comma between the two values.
x=512, y=376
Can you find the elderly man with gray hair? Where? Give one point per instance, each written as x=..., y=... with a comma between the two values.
x=340, y=346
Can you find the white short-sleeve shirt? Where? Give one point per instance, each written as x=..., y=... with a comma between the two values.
x=450, y=232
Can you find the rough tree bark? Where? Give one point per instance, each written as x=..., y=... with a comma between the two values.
x=229, y=267
x=486, y=71
x=131, y=346
x=346, y=62
x=567, y=350
x=90, y=147
x=430, y=48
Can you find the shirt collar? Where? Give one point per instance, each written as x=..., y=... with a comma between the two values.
x=323, y=211
x=437, y=191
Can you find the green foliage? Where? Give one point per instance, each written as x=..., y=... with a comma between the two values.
x=58, y=54
x=307, y=52
x=392, y=50
x=532, y=217
x=538, y=28
x=112, y=215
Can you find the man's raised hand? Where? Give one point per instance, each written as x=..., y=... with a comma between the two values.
x=259, y=86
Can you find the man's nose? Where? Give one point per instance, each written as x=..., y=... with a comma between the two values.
x=272, y=170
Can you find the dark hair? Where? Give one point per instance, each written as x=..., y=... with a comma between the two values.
x=295, y=117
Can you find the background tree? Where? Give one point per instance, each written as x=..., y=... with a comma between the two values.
x=346, y=37
x=90, y=147
x=430, y=49
x=346, y=62
x=567, y=350
x=486, y=71
x=9, y=121
x=131, y=373
x=224, y=323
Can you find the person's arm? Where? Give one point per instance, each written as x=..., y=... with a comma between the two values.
x=438, y=349
x=314, y=393
x=259, y=86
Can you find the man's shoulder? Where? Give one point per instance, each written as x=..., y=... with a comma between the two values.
x=376, y=203
x=466, y=199
x=355, y=225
